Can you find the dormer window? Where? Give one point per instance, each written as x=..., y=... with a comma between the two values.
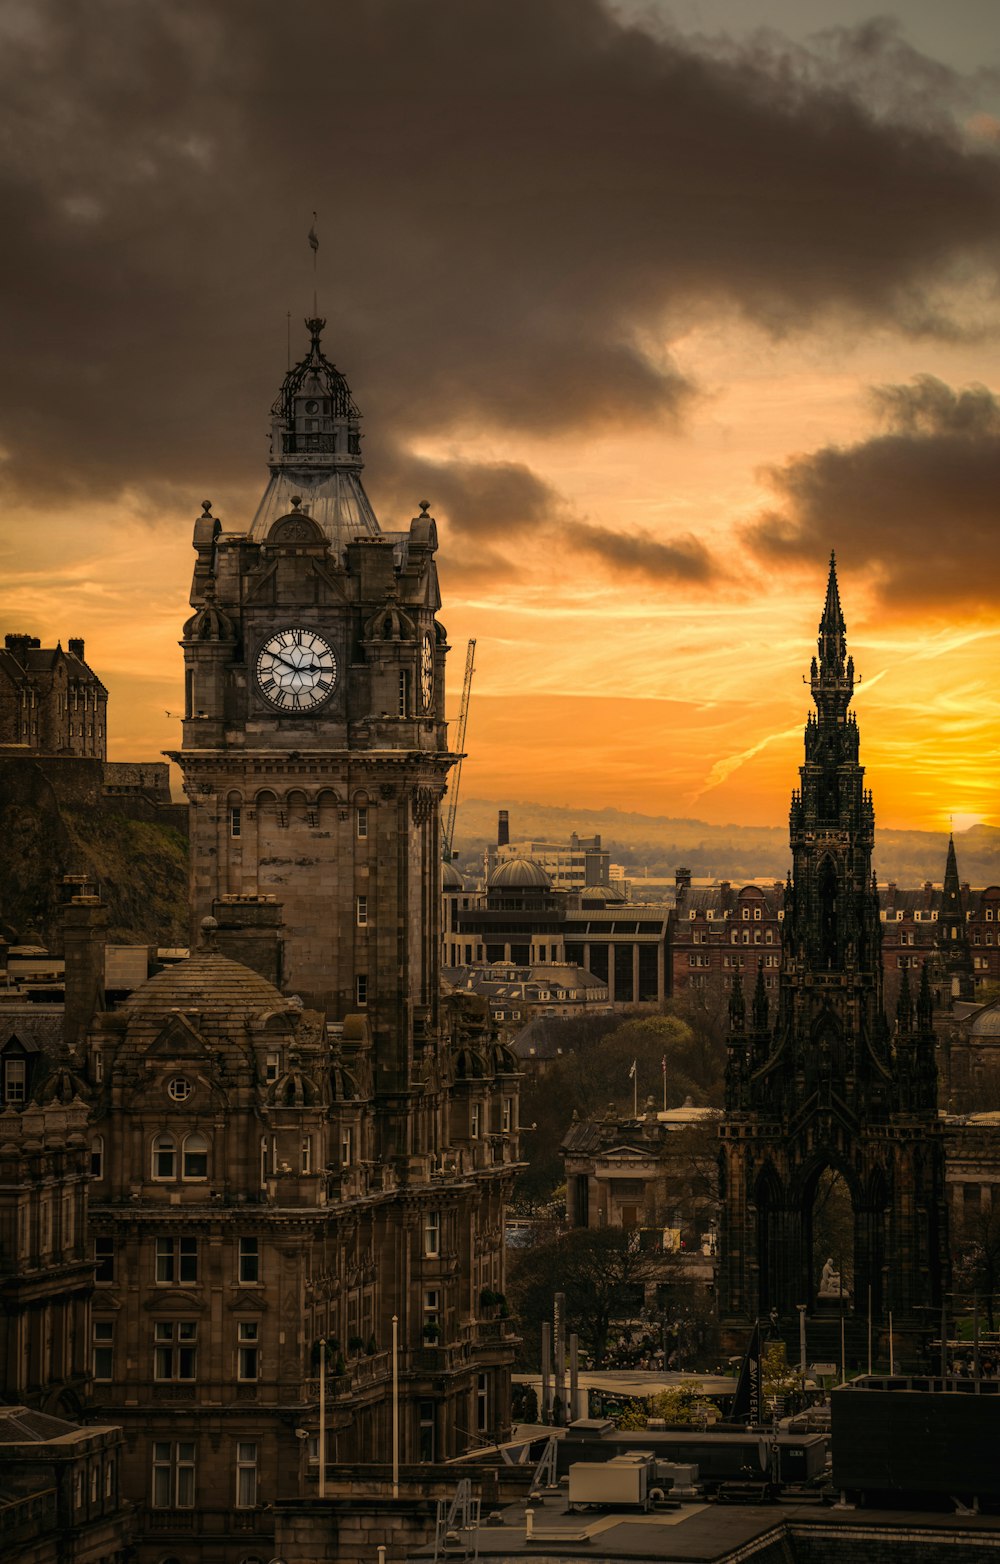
x=15, y=1081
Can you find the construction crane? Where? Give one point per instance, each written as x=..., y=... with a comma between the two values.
x=447, y=845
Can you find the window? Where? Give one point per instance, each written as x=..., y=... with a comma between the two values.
x=361, y=819
x=362, y=911
x=404, y=692
x=97, y=1157
x=428, y=1443
x=246, y=1474
x=432, y=1233
x=432, y=1310
x=164, y=1157
x=109, y=1478
x=173, y=1475
x=195, y=1156
x=483, y=1403
x=176, y=1260
x=346, y=1146
x=175, y=1349
x=757, y=914
x=361, y=988
x=263, y=1160
x=103, y=1355
x=507, y=1120
x=307, y=1151
x=272, y=1064
x=248, y=1364
x=95, y=1477
x=15, y=1080
x=249, y=1260
x=104, y=1259
x=745, y=914
x=235, y=822
x=179, y=1089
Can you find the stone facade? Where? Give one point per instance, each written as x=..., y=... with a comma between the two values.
x=299, y=1145
x=51, y=701
x=820, y=1084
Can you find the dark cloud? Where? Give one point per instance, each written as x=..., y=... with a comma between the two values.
x=636, y=553
x=917, y=502
x=518, y=199
x=477, y=499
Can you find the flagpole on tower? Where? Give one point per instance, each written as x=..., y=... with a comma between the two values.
x=314, y=247
x=664, y=1070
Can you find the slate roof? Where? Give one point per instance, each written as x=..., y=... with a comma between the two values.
x=207, y=982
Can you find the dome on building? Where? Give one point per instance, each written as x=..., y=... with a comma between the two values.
x=602, y=893
x=987, y=1022
x=451, y=880
x=207, y=982
x=519, y=874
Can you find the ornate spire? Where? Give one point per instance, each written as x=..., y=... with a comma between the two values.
x=904, y=1007
x=925, y=1001
x=832, y=674
x=737, y=1004
x=951, y=885
x=761, y=1015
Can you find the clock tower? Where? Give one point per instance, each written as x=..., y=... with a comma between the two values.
x=315, y=751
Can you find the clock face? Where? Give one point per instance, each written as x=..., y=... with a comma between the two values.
x=427, y=672
x=296, y=670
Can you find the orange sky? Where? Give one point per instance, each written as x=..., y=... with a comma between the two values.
x=594, y=688
x=704, y=307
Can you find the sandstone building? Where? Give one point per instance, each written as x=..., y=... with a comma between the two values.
x=298, y=1150
x=51, y=701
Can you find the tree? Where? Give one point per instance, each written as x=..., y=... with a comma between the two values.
x=977, y=1257
x=601, y=1271
x=593, y=1073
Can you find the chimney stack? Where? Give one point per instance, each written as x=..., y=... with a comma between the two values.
x=76, y=646
x=84, y=930
x=503, y=828
x=250, y=931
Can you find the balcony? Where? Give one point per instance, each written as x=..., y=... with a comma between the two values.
x=204, y=1523
x=30, y=1517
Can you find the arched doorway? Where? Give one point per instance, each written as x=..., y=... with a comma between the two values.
x=829, y=1231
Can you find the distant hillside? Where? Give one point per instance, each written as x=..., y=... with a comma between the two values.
x=140, y=865
x=657, y=844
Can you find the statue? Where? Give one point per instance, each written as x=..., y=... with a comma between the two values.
x=829, y=1282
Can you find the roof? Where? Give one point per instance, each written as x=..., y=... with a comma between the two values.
x=22, y=1425
x=987, y=1022
x=519, y=874
x=451, y=880
x=209, y=983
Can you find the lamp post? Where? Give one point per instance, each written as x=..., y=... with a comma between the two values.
x=395, y=1406
x=322, y=1417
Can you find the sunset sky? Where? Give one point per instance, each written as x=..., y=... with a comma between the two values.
x=656, y=303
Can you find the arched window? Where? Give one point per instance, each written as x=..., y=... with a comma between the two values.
x=164, y=1157
x=97, y=1156
x=195, y=1156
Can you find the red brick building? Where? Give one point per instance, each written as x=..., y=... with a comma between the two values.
x=717, y=930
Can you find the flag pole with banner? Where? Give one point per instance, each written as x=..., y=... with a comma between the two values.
x=747, y=1402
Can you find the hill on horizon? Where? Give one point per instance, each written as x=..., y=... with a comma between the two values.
x=658, y=844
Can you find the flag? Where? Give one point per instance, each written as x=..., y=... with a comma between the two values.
x=631, y=1073
x=746, y=1402
x=313, y=236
